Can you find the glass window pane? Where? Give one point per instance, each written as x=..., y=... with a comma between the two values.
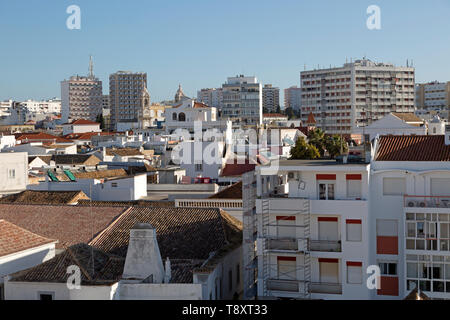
x=411, y=270
x=411, y=230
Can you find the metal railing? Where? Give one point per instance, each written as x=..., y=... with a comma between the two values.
x=426, y=201
x=325, y=245
x=325, y=287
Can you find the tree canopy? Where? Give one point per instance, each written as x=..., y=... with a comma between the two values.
x=304, y=150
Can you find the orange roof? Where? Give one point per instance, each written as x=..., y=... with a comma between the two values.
x=412, y=148
x=87, y=135
x=311, y=119
x=200, y=105
x=39, y=137
x=237, y=169
x=15, y=239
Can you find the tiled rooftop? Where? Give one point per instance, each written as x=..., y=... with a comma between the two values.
x=44, y=197
x=412, y=148
x=67, y=224
x=232, y=192
x=15, y=239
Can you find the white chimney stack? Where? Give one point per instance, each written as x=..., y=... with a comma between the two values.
x=168, y=274
x=143, y=257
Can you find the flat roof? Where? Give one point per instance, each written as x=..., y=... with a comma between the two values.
x=312, y=163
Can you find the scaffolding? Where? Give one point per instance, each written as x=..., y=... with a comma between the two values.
x=299, y=246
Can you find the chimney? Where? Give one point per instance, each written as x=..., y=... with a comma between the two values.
x=447, y=134
x=143, y=257
x=168, y=273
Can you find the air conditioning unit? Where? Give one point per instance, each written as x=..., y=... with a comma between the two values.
x=293, y=175
x=421, y=204
x=411, y=204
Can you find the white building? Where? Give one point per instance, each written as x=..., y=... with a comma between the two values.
x=433, y=96
x=211, y=97
x=394, y=124
x=313, y=229
x=410, y=214
x=14, y=173
x=16, y=255
x=7, y=141
x=436, y=126
x=81, y=126
x=242, y=100
x=43, y=106
x=293, y=98
x=271, y=98
x=358, y=93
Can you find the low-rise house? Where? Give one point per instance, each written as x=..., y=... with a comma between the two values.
x=45, y=197
x=81, y=126
x=113, y=185
x=14, y=173
x=146, y=253
x=7, y=141
x=274, y=118
x=21, y=249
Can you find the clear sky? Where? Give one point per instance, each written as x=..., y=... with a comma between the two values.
x=199, y=43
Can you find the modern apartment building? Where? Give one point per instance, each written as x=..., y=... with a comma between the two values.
x=433, y=96
x=356, y=94
x=44, y=106
x=211, y=97
x=293, y=98
x=81, y=98
x=242, y=100
x=322, y=223
x=129, y=99
x=313, y=230
x=271, y=98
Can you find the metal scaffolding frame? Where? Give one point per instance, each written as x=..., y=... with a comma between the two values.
x=301, y=247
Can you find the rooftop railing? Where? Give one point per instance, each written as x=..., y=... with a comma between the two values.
x=426, y=201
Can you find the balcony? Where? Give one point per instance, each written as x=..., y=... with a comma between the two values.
x=283, y=285
x=426, y=201
x=324, y=287
x=325, y=245
x=286, y=244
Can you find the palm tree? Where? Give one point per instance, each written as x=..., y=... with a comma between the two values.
x=316, y=137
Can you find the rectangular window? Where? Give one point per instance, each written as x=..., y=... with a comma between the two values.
x=354, y=230
x=326, y=191
x=394, y=186
x=440, y=186
x=114, y=184
x=45, y=296
x=353, y=188
x=198, y=167
x=388, y=268
x=287, y=268
x=11, y=173
x=354, y=272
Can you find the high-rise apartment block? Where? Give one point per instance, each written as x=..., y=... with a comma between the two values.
x=242, y=100
x=356, y=94
x=433, y=96
x=211, y=97
x=293, y=98
x=128, y=97
x=81, y=97
x=271, y=97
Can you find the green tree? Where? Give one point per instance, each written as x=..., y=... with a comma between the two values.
x=289, y=112
x=316, y=137
x=100, y=120
x=334, y=143
x=278, y=109
x=304, y=150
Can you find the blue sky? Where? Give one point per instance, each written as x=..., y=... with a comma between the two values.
x=199, y=43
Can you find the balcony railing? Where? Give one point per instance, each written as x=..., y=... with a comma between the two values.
x=283, y=285
x=287, y=244
x=325, y=245
x=426, y=201
x=324, y=287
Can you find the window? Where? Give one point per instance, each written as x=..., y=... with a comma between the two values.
x=182, y=117
x=354, y=272
x=440, y=186
x=386, y=228
x=353, y=188
x=11, y=173
x=394, y=186
x=198, y=167
x=114, y=184
x=326, y=191
x=45, y=296
x=388, y=268
x=174, y=116
x=354, y=230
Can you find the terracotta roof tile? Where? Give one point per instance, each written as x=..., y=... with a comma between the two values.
x=237, y=169
x=311, y=119
x=44, y=197
x=136, y=203
x=97, y=267
x=232, y=192
x=67, y=224
x=412, y=148
x=15, y=239
x=84, y=122
x=98, y=174
x=123, y=152
x=407, y=116
x=39, y=137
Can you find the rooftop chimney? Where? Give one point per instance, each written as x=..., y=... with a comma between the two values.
x=143, y=257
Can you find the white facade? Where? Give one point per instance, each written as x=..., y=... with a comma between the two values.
x=113, y=189
x=242, y=100
x=14, y=172
x=360, y=92
x=390, y=125
x=7, y=141
x=313, y=243
x=80, y=128
x=293, y=98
